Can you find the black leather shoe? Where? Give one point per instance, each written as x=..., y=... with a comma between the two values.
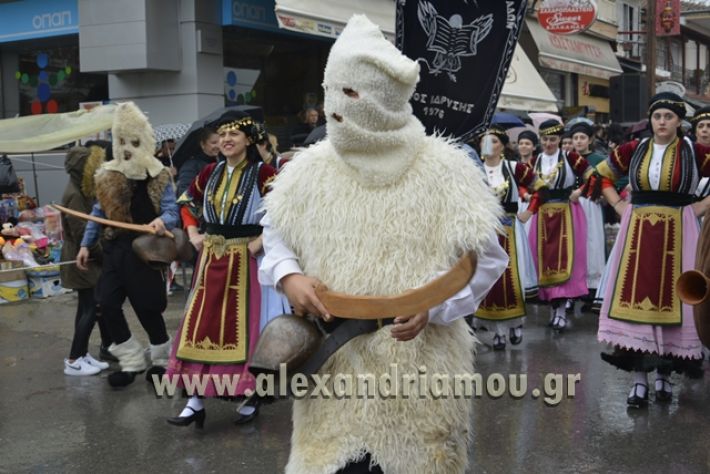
x=105, y=355
x=639, y=396
x=515, y=340
x=121, y=379
x=665, y=394
x=155, y=370
x=197, y=416
x=498, y=343
x=244, y=419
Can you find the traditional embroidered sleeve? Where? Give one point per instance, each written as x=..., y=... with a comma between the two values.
x=617, y=164
x=492, y=262
x=190, y=201
x=702, y=156
x=580, y=165
x=526, y=177
x=267, y=173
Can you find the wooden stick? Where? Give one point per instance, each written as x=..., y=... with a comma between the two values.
x=408, y=303
x=143, y=228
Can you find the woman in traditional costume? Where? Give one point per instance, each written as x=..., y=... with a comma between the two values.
x=558, y=233
x=221, y=325
x=527, y=144
x=504, y=306
x=642, y=316
x=582, y=135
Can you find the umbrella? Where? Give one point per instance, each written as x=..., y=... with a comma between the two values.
x=190, y=142
x=514, y=132
x=506, y=120
x=316, y=135
x=639, y=126
x=577, y=120
x=169, y=131
x=539, y=117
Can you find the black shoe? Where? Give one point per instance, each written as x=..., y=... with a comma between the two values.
x=515, y=340
x=197, y=416
x=664, y=395
x=105, y=355
x=498, y=342
x=244, y=419
x=121, y=379
x=639, y=397
x=155, y=370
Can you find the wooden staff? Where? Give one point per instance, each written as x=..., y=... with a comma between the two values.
x=143, y=228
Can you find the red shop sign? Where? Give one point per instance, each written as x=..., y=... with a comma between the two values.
x=566, y=17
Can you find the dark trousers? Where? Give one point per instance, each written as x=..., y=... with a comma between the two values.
x=86, y=318
x=360, y=467
x=124, y=275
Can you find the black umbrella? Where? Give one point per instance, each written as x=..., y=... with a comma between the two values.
x=316, y=135
x=189, y=144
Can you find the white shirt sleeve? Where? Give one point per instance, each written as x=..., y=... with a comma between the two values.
x=492, y=262
x=279, y=260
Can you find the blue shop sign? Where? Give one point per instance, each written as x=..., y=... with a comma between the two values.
x=28, y=19
x=257, y=14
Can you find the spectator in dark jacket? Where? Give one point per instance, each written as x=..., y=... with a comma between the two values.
x=209, y=152
x=81, y=163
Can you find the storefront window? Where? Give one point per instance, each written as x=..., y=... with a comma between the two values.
x=49, y=80
x=556, y=82
x=282, y=73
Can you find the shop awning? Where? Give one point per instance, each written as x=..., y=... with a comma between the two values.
x=524, y=88
x=580, y=54
x=34, y=133
x=328, y=19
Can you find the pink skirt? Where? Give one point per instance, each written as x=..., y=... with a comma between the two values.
x=680, y=341
x=577, y=284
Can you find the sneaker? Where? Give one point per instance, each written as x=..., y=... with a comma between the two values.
x=79, y=367
x=95, y=363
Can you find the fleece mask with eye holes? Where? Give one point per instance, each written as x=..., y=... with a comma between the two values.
x=368, y=83
x=133, y=144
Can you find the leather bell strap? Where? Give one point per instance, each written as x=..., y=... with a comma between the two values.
x=143, y=228
x=410, y=302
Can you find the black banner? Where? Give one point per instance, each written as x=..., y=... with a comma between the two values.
x=464, y=48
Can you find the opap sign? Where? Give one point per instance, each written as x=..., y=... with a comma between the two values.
x=566, y=17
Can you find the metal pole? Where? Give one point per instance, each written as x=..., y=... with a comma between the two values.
x=34, y=176
x=651, y=48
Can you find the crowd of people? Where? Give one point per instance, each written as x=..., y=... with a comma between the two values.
x=266, y=233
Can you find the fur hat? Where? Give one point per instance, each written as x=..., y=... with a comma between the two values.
x=133, y=144
x=667, y=100
x=551, y=127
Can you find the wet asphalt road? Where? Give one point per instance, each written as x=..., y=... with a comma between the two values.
x=50, y=422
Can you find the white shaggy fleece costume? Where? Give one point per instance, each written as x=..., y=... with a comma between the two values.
x=378, y=208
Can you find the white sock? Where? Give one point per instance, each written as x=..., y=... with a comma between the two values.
x=560, y=311
x=518, y=331
x=663, y=382
x=639, y=378
x=499, y=330
x=195, y=403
